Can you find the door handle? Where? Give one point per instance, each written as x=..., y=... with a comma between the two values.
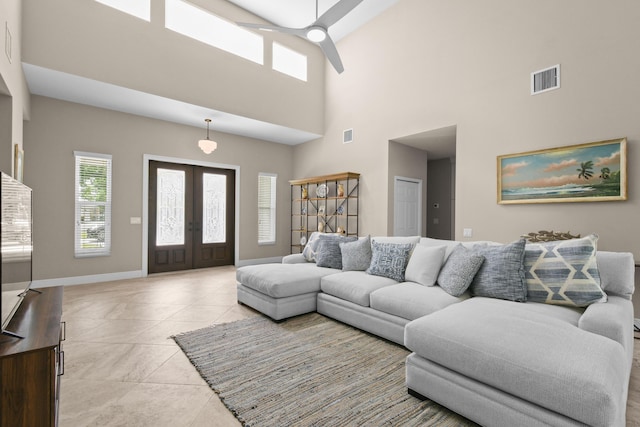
x=190, y=226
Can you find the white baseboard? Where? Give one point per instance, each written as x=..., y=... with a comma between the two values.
x=84, y=280
x=242, y=263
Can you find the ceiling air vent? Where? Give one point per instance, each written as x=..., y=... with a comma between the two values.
x=545, y=80
x=347, y=136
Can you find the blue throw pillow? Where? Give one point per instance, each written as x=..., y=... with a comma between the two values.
x=389, y=259
x=563, y=272
x=328, y=253
x=502, y=272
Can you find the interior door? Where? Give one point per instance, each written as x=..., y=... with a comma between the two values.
x=407, y=215
x=191, y=217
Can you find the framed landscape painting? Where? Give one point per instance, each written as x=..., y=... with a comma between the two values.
x=594, y=172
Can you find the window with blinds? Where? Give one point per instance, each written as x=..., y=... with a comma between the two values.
x=266, y=208
x=93, y=204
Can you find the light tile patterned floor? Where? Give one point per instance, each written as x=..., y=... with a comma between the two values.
x=122, y=369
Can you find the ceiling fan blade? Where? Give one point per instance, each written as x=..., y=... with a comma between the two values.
x=337, y=12
x=330, y=51
x=267, y=27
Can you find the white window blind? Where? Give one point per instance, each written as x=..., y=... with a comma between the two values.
x=266, y=208
x=93, y=204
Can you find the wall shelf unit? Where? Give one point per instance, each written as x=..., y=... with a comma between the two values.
x=327, y=203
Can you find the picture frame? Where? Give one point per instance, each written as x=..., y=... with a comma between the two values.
x=18, y=163
x=591, y=172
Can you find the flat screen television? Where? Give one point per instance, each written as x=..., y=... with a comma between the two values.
x=16, y=246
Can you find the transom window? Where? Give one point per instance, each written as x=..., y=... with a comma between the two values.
x=289, y=62
x=137, y=8
x=192, y=21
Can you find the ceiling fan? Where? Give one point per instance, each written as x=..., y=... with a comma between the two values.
x=318, y=31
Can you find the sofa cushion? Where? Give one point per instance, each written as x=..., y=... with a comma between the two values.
x=396, y=239
x=424, y=264
x=540, y=358
x=502, y=273
x=356, y=256
x=563, y=272
x=283, y=280
x=390, y=259
x=411, y=300
x=458, y=272
x=617, y=271
x=328, y=253
x=354, y=286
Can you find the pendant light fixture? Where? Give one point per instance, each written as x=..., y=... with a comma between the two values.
x=207, y=145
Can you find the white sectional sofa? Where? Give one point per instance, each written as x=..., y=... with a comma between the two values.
x=496, y=361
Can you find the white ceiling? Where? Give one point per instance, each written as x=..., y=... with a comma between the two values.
x=292, y=13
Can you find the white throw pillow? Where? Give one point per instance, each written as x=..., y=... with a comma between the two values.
x=424, y=264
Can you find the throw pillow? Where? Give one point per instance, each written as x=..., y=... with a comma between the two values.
x=424, y=264
x=459, y=270
x=356, y=256
x=389, y=259
x=502, y=273
x=309, y=251
x=563, y=272
x=328, y=253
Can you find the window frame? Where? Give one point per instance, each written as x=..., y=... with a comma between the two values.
x=272, y=238
x=79, y=204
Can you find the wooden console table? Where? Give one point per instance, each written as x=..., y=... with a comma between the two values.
x=30, y=367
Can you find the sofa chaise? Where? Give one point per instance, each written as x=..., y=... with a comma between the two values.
x=554, y=350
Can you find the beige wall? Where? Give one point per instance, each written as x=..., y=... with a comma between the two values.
x=14, y=105
x=58, y=128
x=426, y=64
x=407, y=162
x=91, y=40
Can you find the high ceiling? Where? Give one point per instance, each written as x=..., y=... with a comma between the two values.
x=293, y=13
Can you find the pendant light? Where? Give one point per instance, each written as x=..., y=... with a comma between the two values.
x=207, y=145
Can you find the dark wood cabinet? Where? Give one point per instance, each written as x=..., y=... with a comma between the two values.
x=30, y=367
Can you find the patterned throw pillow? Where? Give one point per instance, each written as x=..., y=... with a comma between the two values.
x=309, y=251
x=356, y=256
x=563, y=272
x=458, y=271
x=502, y=272
x=328, y=253
x=389, y=259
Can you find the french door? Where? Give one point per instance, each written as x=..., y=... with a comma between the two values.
x=191, y=217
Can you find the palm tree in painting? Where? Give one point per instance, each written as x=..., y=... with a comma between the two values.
x=605, y=173
x=586, y=170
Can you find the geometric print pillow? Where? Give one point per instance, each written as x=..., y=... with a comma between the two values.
x=563, y=272
x=389, y=259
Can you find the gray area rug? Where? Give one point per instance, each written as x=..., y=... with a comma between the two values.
x=308, y=371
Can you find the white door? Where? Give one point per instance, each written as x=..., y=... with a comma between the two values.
x=407, y=213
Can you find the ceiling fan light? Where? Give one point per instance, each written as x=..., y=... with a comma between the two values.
x=316, y=34
x=207, y=146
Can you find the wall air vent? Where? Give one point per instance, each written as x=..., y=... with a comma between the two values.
x=347, y=136
x=545, y=80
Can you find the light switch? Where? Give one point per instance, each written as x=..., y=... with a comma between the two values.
x=467, y=232
x=135, y=220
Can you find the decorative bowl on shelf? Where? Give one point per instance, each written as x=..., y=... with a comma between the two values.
x=321, y=190
x=303, y=240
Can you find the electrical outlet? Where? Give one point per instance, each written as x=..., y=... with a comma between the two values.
x=436, y=220
x=467, y=232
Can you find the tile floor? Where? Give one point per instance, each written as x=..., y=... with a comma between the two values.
x=122, y=369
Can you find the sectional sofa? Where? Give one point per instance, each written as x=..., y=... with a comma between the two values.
x=518, y=334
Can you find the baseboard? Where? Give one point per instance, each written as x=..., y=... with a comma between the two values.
x=84, y=280
x=242, y=263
